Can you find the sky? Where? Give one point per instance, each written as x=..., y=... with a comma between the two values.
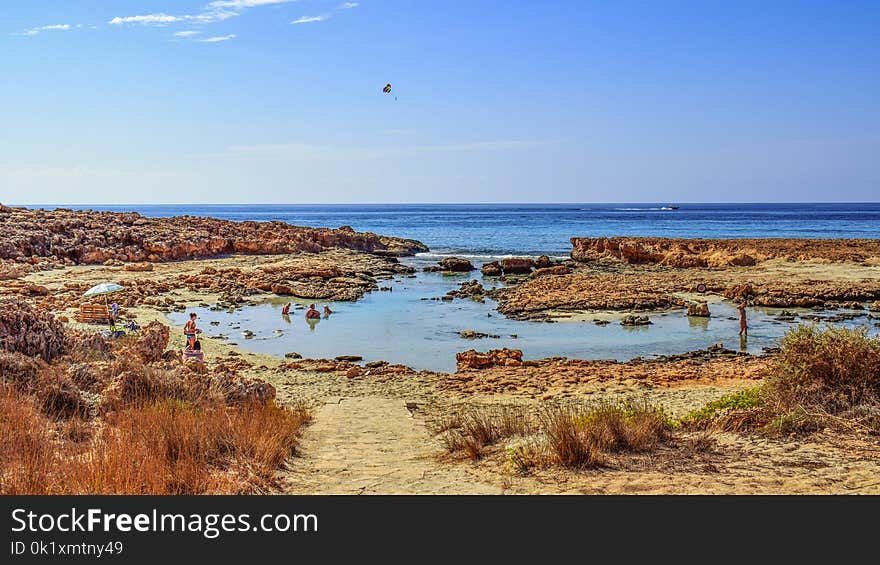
x=280, y=101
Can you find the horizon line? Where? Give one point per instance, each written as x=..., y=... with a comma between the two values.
x=570, y=203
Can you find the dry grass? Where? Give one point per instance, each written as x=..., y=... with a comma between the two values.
x=579, y=437
x=472, y=429
x=183, y=448
x=163, y=447
x=113, y=423
x=563, y=435
x=27, y=451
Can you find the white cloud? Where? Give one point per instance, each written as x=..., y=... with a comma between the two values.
x=217, y=39
x=241, y=4
x=310, y=19
x=187, y=33
x=41, y=29
x=148, y=19
x=348, y=5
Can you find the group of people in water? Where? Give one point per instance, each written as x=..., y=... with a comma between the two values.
x=311, y=314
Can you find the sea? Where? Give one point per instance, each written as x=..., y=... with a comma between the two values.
x=407, y=325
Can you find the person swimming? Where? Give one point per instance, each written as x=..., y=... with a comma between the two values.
x=312, y=312
x=327, y=311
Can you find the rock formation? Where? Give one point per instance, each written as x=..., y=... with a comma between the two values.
x=517, y=265
x=557, y=270
x=699, y=310
x=690, y=253
x=27, y=330
x=491, y=269
x=89, y=237
x=456, y=265
x=472, y=359
x=633, y=320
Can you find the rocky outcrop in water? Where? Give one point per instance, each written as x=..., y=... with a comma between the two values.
x=517, y=265
x=87, y=237
x=690, y=253
x=699, y=310
x=633, y=320
x=456, y=265
x=491, y=269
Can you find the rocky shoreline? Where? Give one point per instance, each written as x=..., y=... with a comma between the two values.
x=650, y=274
x=86, y=237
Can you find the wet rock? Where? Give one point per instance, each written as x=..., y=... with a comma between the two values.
x=491, y=269
x=557, y=270
x=599, y=322
x=471, y=334
x=375, y=364
x=543, y=262
x=634, y=320
x=699, y=309
x=469, y=289
x=348, y=358
x=875, y=306
x=517, y=266
x=456, y=265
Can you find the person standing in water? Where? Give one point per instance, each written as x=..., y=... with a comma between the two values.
x=286, y=310
x=191, y=331
x=743, y=326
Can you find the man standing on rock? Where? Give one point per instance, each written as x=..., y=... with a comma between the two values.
x=743, y=326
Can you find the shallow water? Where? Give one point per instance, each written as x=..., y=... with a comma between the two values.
x=405, y=326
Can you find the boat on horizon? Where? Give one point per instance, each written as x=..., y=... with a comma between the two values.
x=669, y=207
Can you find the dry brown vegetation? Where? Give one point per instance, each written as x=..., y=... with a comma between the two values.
x=115, y=418
x=573, y=436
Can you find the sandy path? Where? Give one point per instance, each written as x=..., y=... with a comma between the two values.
x=370, y=445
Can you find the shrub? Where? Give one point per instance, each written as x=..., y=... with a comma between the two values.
x=733, y=412
x=820, y=378
x=581, y=437
x=833, y=369
x=472, y=429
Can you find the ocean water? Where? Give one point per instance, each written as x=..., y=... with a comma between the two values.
x=406, y=326
x=534, y=229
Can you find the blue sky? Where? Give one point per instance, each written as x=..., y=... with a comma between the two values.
x=272, y=101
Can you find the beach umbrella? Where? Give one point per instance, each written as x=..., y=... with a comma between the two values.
x=104, y=289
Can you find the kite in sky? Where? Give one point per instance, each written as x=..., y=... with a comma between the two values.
x=387, y=90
